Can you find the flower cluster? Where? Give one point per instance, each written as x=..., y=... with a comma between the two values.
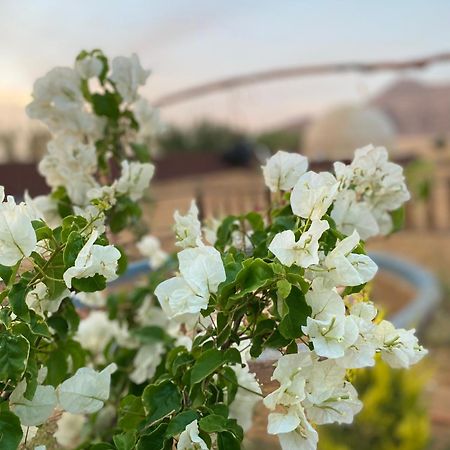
x=293, y=281
x=55, y=248
x=169, y=363
x=98, y=121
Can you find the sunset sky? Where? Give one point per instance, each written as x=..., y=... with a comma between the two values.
x=189, y=42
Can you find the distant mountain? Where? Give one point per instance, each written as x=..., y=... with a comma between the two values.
x=416, y=108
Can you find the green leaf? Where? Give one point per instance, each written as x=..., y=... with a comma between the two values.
x=141, y=152
x=213, y=423
x=17, y=296
x=160, y=400
x=150, y=334
x=224, y=231
x=74, y=244
x=283, y=288
x=122, y=264
x=155, y=439
x=179, y=422
x=255, y=275
x=106, y=105
x=255, y=220
x=125, y=441
x=63, y=201
x=90, y=284
x=14, y=351
x=57, y=367
x=42, y=230
x=131, y=412
x=233, y=356
x=206, y=364
x=10, y=431
x=227, y=441
x=5, y=273
x=297, y=311
x=398, y=219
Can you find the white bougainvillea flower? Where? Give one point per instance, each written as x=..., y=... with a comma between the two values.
x=69, y=432
x=96, y=331
x=40, y=302
x=147, y=359
x=150, y=125
x=35, y=411
x=92, y=299
x=313, y=194
x=332, y=335
x=241, y=408
x=188, y=229
x=362, y=352
x=134, y=179
x=70, y=163
x=202, y=268
x=94, y=259
x=303, y=252
x=58, y=102
x=89, y=67
x=86, y=391
x=190, y=440
x=350, y=215
x=150, y=247
x=177, y=298
x=323, y=300
x=377, y=182
x=293, y=430
x=283, y=170
x=338, y=405
x=128, y=75
x=290, y=373
x=341, y=267
x=399, y=347
x=17, y=235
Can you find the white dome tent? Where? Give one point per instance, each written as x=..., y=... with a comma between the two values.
x=340, y=131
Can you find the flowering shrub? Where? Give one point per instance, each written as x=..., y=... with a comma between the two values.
x=166, y=365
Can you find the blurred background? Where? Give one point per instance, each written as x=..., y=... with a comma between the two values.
x=236, y=81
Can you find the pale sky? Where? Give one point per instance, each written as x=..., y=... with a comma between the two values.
x=185, y=43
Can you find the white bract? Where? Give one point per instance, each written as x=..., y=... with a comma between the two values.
x=399, y=348
x=190, y=440
x=350, y=215
x=128, y=75
x=150, y=247
x=96, y=331
x=94, y=259
x=134, y=179
x=283, y=170
x=313, y=194
x=341, y=267
x=201, y=271
x=303, y=252
x=40, y=302
x=17, y=235
x=37, y=410
x=147, y=359
x=86, y=391
x=246, y=398
x=188, y=229
x=71, y=164
x=59, y=103
x=89, y=67
x=377, y=182
x=330, y=330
